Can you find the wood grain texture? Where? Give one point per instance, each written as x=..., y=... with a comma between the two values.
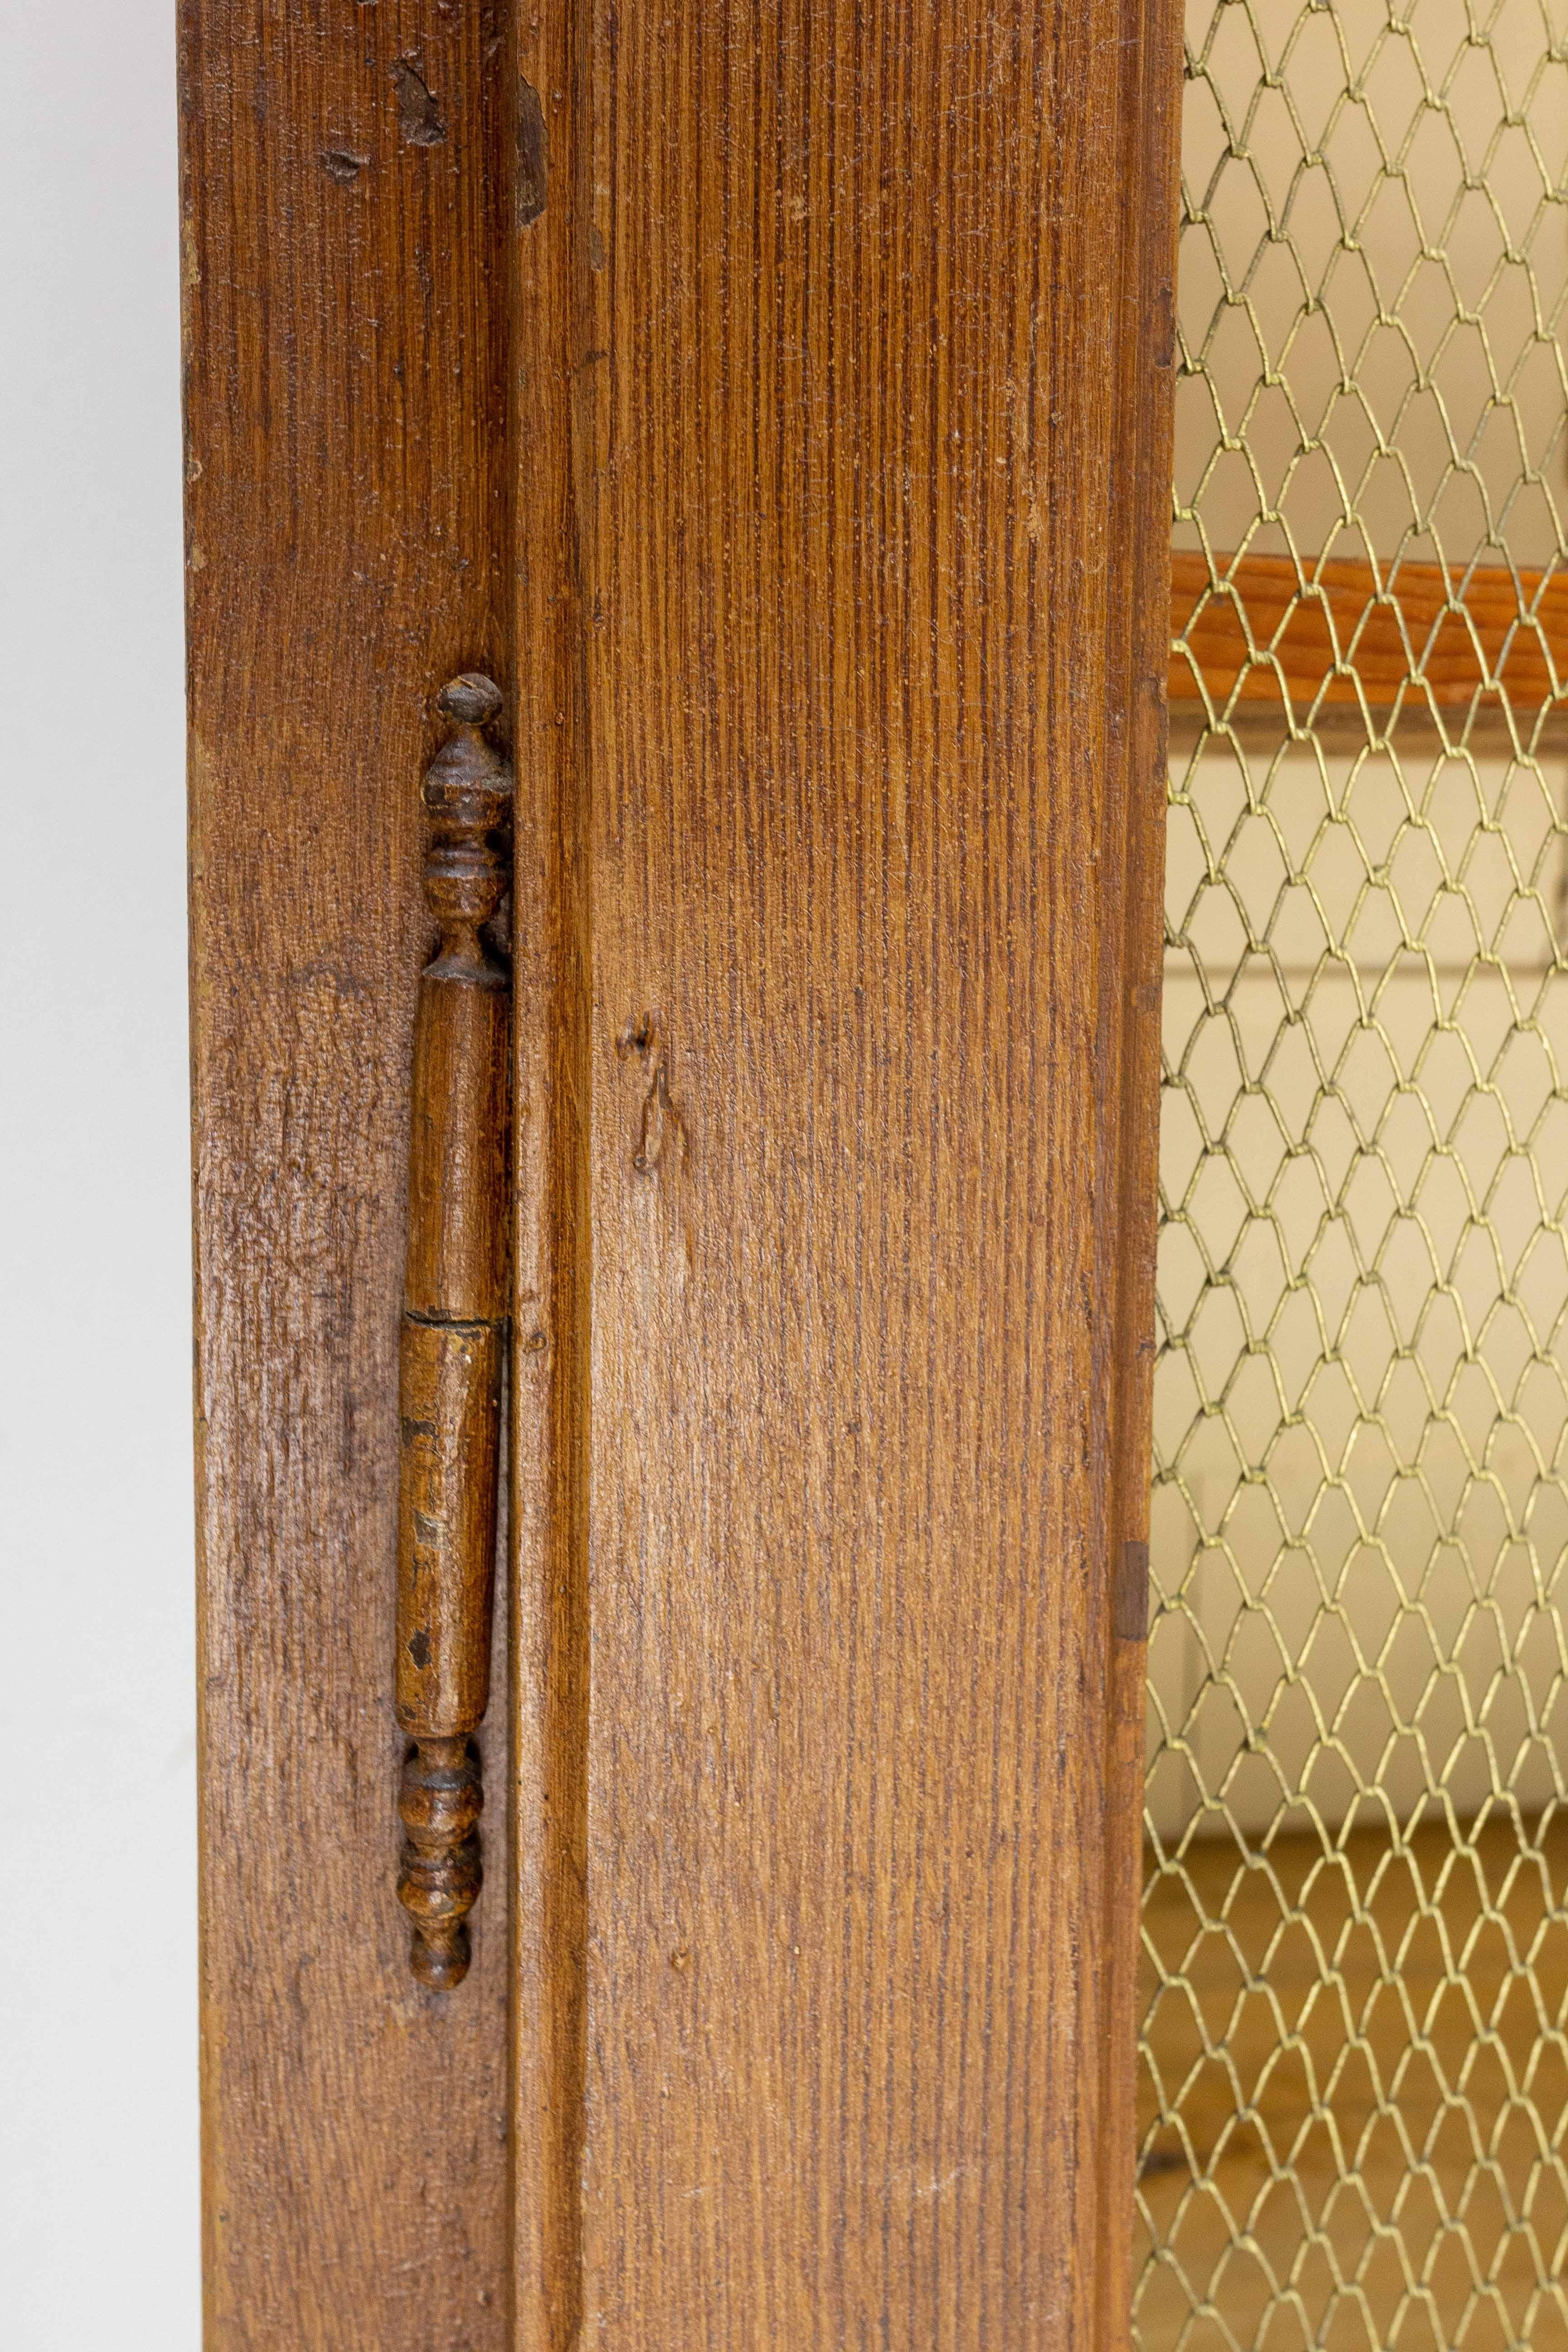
x=347, y=535
x=1338, y=633
x=866, y=558
x=553, y=256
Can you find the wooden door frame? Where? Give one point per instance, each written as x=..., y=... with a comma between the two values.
x=398, y=443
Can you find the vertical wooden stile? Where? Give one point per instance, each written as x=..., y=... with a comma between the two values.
x=1129, y=1049
x=347, y=552
x=842, y=374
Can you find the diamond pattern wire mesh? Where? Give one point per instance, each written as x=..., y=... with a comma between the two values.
x=1354, y=2092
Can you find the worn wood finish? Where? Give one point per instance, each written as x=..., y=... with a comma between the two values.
x=453, y=1338
x=834, y=427
x=343, y=172
x=1338, y=633
x=871, y=342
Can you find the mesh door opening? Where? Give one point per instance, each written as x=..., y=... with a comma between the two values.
x=1355, y=2054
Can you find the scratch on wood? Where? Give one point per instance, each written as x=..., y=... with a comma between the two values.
x=662, y=1127
x=532, y=156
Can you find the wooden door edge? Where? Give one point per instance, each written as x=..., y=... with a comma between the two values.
x=1146, y=391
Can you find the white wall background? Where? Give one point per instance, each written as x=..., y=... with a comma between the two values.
x=98, y=1980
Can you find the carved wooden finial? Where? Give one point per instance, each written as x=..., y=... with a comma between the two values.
x=440, y=1803
x=454, y=1330
x=470, y=699
x=468, y=791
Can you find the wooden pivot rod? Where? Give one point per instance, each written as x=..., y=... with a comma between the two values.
x=453, y=1338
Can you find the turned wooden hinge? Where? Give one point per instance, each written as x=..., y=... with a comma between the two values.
x=454, y=1336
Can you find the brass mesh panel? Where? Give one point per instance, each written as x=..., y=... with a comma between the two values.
x=1354, y=2122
